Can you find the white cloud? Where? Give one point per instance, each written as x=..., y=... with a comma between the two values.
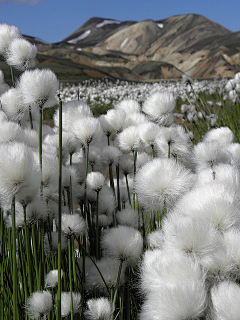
x=30, y=2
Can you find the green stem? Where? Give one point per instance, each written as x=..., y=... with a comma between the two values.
x=134, y=173
x=40, y=136
x=118, y=281
x=153, y=151
x=30, y=117
x=118, y=187
x=129, y=196
x=12, y=75
x=169, y=150
x=97, y=231
x=14, y=262
x=70, y=274
x=111, y=178
x=28, y=251
x=59, y=214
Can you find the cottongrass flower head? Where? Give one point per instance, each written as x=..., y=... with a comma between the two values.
x=234, y=149
x=73, y=224
x=136, y=119
x=219, y=267
x=21, y=54
x=126, y=164
x=223, y=135
x=223, y=173
x=72, y=110
x=183, y=301
x=165, y=268
x=39, y=304
x=148, y=132
x=127, y=217
x=17, y=168
x=111, y=155
x=129, y=139
x=123, y=243
x=215, y=203
x=51, y=279
x=10, y=132
x=225, y=301
x=231, y=240
x=87, y=130
x=13, y=105
x=161, y=180
x=209, y=154
x=7, y=35
x=128, y=105
x=66, y=305
x=155, y=239
x=39, y=88
x=116, y=119
x=159, y=107
x=172, y=142
x=95, y=181
x=191, y=236
x=99, y=309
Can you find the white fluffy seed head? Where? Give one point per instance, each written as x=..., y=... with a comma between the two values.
x=72, y=110
x=39, y=88
x=161, y=180
x=87, y=130
x=148, y=132
x=116, y=119
x=95, y=181
x=21, y=54
x=215, y=203
x=51, y=279
x=190, y=235
x=209, y=154
x=100, y=308
x=66, y=303
x=73, y=224
x=13, y=105
x=17, y=168
x=39, y=304
x=159, y=107
x=225, y=301
x=128, y=105
x=183, y=301
x=7, y=35
x=129, y=139
x=164, y=268
x=128, y=217
x=110, y=155
x=223, y=135
x=123, y=243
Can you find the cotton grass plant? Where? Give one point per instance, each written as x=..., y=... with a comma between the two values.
x=118, y=216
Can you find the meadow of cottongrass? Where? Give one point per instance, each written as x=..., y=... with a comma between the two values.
x=132, y=214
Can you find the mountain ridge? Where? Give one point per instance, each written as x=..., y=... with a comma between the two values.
x=167, y=48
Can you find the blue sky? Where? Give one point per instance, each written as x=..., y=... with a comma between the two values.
x=54, y=20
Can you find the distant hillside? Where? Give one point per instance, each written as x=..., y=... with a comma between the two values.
x=147, y=50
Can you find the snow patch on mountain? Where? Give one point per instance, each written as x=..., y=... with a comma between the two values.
x=82, y=36
x=124, y=43
x=160, y=25
x=105, y=22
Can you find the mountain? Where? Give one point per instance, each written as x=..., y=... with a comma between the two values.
x=147, y=50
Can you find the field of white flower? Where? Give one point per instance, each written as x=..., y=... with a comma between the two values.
x=128, y=207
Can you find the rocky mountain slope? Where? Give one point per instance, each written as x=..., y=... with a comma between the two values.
x=146, y=50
